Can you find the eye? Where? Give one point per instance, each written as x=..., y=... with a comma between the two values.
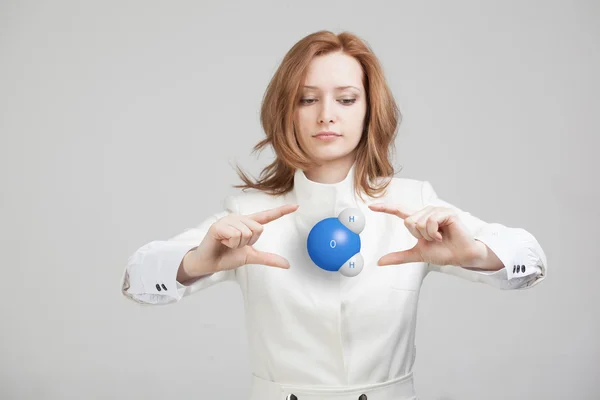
x=345, y=102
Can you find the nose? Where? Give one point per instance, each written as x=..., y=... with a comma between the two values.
x=326, y=113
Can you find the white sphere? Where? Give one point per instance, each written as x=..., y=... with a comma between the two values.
x=353, y=266
x=353, y=219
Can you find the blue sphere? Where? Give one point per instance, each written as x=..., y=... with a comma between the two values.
x=330, y=244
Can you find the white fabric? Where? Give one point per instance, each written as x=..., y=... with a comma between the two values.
x=316, y=329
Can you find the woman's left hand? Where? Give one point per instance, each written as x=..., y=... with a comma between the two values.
x=443, y=239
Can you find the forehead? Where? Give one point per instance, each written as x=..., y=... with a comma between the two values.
x=334, y=69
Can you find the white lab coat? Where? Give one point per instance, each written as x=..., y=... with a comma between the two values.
x=315, y=334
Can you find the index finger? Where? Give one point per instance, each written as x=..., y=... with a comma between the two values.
x=396, y=209
x=264, y=217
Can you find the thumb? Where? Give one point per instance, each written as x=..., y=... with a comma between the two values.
x=263, y=258
x=401, y=257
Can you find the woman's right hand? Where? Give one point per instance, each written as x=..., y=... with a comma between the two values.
x=228, y=243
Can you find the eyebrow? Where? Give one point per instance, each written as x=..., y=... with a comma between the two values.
x=338, y=87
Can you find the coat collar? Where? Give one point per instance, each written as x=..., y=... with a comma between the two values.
x=318, y=201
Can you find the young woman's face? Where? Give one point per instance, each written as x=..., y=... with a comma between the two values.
x=332, y=100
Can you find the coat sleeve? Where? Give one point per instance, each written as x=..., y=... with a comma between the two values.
x=150, y=275
x=523, y=258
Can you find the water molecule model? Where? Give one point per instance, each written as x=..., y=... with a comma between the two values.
x=334, y=243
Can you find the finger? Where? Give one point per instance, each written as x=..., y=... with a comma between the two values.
x=246, y=233
x=435, y=221
x=256, y=229
x=264, y=217
x=230, y=236
x=401, y=257
x=264, y=258
x=411, y=222
x=439, y=217
x=413, y=230
x=393, y=209
x=421, y=225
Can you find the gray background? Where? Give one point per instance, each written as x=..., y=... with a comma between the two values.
x=106, y=112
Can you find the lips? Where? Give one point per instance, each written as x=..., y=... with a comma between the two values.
x=327, y=134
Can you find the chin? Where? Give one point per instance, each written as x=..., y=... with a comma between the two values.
x=330, y=155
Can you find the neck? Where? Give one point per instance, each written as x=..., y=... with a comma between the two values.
x=324, y=191
x=333, y=171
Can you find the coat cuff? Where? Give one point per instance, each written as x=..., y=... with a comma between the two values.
x=154, y=269
x=516, y=248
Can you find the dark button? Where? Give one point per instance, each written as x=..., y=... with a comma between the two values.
x=514, y=269
x=362, y=397
x=292, y=397
x=163, y=286
x=158, y=287
x=522, y=268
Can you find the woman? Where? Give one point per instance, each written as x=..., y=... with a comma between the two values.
x=316, y=334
